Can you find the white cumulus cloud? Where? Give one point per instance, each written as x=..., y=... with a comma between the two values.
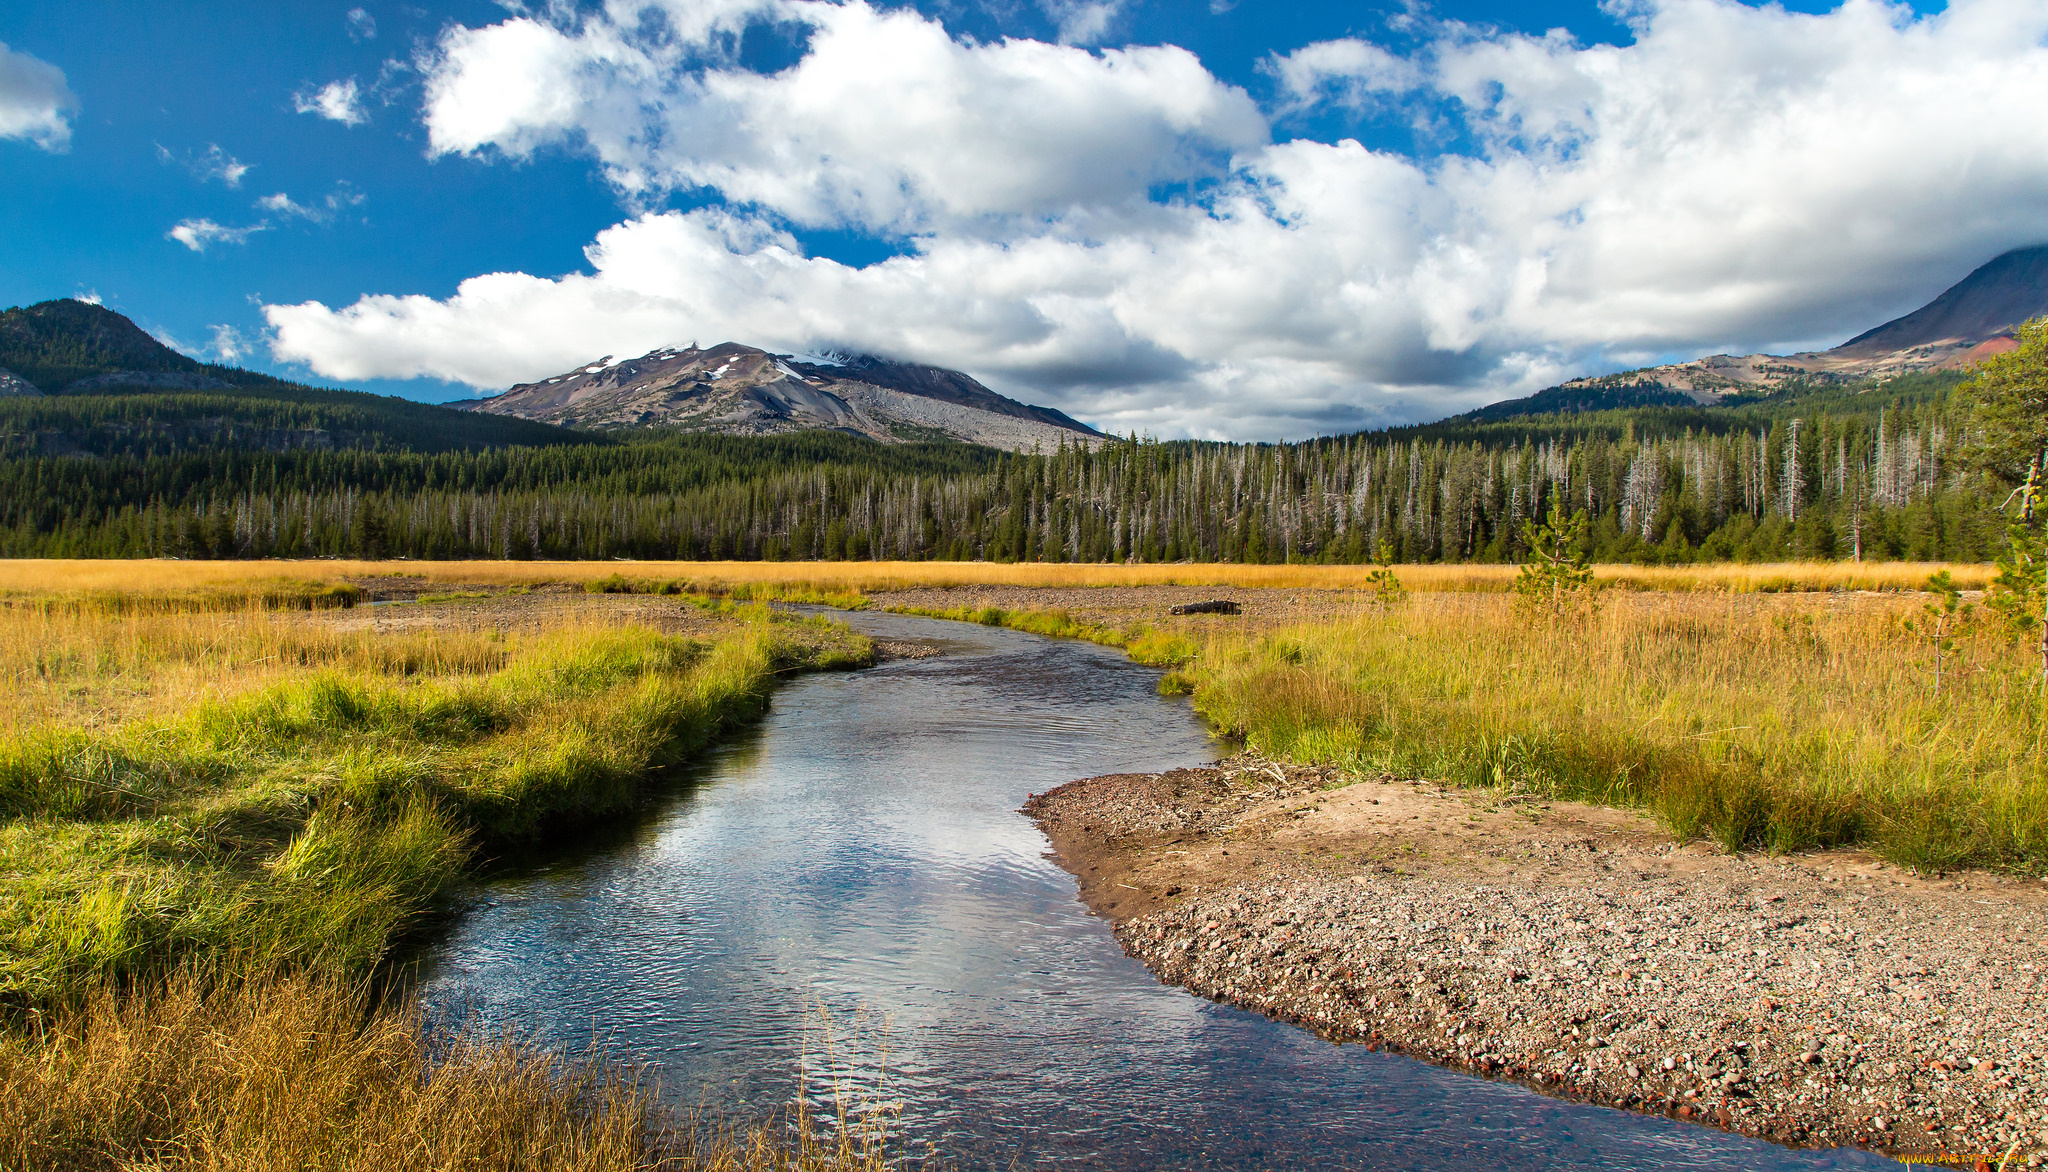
x=35, y=104
x=1082, y=22
x=1348, y=71
x=887, y=123
x=198, y=234
x=229, y=345
x=1734, y=178
x=520, y=84
x=337, y=101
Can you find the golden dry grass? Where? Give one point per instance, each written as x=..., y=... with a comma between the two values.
x=93, y=667
x=287, y=1074
x=55, y=577
x=1779, y=723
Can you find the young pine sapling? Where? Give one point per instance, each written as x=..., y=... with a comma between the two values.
x=1943, y=621
x=1556, y=583
x=1387, y=591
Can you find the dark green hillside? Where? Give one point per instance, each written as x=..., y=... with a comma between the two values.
x=1809, y=486
x=1592, y=411
x=1603, y=396
x=263, y=415
x=56, y=345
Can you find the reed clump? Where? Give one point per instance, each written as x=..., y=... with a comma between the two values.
x=296, y=1072
x=1774, y=723
x=792, y=590
x=176, y=592
x=1779, y=725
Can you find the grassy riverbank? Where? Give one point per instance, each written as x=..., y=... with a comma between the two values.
x=1760, y=726
x=1141, y=641
x=311, y=820
x=1775, y=723
x=222, y=799
x=217, y=819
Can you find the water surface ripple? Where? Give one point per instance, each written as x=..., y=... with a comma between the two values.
x=848, y=888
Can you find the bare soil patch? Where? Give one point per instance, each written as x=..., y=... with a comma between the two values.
x=415, y=604
x=418, y=604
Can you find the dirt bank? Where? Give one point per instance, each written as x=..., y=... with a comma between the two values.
x=1121, y=606
x=1820, y=999
x=416, y=604
x=400, y=604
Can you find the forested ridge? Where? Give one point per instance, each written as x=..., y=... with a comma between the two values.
x=1813, y=473
x=78, y=354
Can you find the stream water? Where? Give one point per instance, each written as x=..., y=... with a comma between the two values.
x=847, y=891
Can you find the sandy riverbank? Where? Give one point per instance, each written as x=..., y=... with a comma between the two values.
x=1821, y=999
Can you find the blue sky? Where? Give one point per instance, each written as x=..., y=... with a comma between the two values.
x=1086, y=292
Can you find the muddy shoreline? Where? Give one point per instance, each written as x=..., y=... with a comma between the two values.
x=1821, y=1000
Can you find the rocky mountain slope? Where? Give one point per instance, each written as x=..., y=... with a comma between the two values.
x=1973, y=320
x=740, y=390
x=1981, y=308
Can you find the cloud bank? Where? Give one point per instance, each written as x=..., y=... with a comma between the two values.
x=1117, y=232
x=35, y=104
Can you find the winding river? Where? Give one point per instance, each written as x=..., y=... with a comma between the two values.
x=846, y=891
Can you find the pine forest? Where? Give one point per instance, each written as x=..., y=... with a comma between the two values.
x=1834, y=473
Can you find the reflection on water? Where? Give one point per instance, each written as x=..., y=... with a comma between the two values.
x=858, y=859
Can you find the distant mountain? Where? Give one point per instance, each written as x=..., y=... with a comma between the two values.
x=81, y=380
x=1973, y=320
x=1982, y=307
x=739, y=390
x=57, y=343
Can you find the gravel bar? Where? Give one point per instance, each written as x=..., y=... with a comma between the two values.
x=1820, y=999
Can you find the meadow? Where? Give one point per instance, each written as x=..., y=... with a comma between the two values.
x=1771, y=724
x=197, y=580
x=1778, y=706
x=220, y=812
x=1729, y=706
x=222, y=807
